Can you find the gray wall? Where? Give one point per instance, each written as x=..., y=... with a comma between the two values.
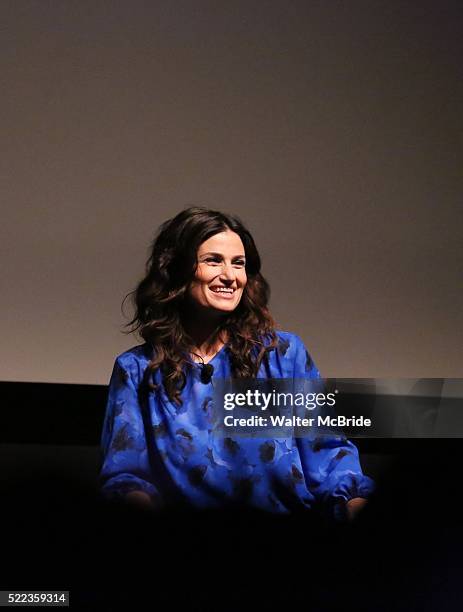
x=334, y=129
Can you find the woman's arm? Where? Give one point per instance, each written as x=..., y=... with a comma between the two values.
x=125, y=471
x=331, y=464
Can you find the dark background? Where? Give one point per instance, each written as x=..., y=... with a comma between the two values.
x=403, y=552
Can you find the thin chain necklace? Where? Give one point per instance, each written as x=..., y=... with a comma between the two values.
x=205, y=356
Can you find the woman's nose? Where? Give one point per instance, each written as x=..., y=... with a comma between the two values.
x=228, y=272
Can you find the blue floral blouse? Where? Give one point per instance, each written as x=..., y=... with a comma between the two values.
x=171, y=453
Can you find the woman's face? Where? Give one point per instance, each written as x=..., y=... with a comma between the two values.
x=220, y=275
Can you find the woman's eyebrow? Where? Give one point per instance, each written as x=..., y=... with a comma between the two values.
x=220, y=255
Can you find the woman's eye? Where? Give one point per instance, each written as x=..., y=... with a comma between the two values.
x=217, y=260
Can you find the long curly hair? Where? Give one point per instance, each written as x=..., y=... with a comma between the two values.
x=159, y=300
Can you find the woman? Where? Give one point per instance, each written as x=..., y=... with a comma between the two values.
x=202, y=311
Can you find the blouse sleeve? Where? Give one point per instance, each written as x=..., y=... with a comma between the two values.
x=125, y=464
x=330, y=463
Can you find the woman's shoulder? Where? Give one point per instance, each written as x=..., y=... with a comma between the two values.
x=292, y=349
x=135, y=359
x=288, y=342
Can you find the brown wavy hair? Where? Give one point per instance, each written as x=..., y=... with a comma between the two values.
x=159, y=300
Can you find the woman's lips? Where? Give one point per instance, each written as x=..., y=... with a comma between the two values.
x=223, y=294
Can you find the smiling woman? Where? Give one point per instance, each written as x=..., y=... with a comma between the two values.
x=203, y=304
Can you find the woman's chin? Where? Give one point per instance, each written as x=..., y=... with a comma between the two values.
x=224, y=308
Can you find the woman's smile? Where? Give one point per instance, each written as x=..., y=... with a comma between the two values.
x=223, y=292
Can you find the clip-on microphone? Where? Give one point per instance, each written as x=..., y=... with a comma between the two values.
x=207, y=370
